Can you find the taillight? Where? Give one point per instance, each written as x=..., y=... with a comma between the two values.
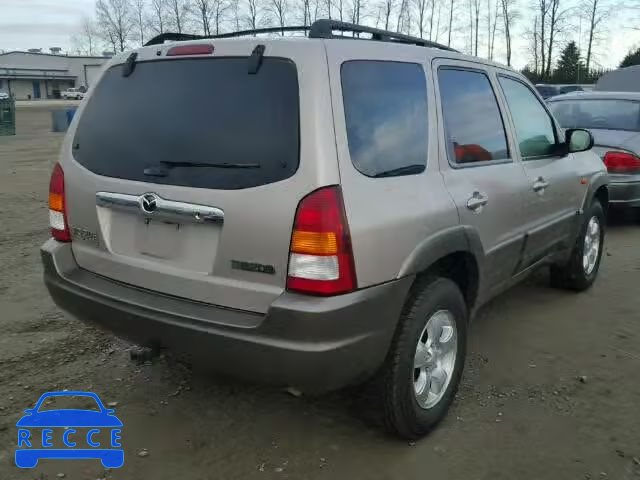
x=190, y=50
x=321, y=258
x=621, y=162
x=57, y=206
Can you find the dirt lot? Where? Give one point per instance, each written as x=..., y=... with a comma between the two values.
x=522, y=412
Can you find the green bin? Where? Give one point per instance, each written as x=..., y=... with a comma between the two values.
x=7, y=117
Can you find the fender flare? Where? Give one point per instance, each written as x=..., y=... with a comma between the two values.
x=600, y=179
x=460, y=238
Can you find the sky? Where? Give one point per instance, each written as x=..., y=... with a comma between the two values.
x=51, y=23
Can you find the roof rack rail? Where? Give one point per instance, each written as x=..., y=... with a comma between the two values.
x=171, y=37
x=325, y=29
x=163, y=37
x=318, y=29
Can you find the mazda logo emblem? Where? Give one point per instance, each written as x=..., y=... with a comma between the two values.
x=149, y=202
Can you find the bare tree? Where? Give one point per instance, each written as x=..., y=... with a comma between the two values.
x=450, y=29
x=178, y=11
x=470, y=27
x=533, y=35
x=253, y=10
x=85, y=40
x=508, y=17
x=437, y=36
x=492, y=27
x=306, y=12
x=327, y=4
x=138, y=16
x=339, y=4
x=401, y=14
x=596, y=12
x=279, y=10
x=541, y=40
x=431, y=17
x=115, y=22
x=387, y=9
x=235, y=7
x=557, y=26
x=203, y=11
x=421, y=6
x=476, y=13
x=158, y=16
x=357, y=10
x=220, y=7
x=553, y=22
x=210, y=12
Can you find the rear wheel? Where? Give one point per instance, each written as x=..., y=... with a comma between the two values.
x=421, y=375
x=582, y=269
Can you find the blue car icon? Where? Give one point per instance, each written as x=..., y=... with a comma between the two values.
x=29, y=452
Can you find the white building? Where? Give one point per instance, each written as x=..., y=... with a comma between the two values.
x=33, y=75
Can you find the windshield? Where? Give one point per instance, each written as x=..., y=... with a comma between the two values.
x=598, y=114
x=168, y=114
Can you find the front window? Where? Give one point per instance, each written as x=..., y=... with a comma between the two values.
x=473, y=124
x=602, y=114
x=534, y=127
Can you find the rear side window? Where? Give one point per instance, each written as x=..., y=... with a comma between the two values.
x=473, y=124
x=385, y=107
x=534, y=128
x=204, y=123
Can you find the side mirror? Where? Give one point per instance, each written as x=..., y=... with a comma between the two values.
x=578, y=140
x=29, y=410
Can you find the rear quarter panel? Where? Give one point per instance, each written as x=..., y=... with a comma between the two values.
x=388, y=217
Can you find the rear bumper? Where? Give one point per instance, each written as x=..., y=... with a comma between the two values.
x=314, y=343
x=624, y=194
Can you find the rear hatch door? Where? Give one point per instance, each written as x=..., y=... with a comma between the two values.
x=184, y=176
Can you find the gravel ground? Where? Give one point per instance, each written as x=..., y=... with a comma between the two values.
x=550, y=389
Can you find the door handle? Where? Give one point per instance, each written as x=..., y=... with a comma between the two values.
x=477, y=201
x=540, y=184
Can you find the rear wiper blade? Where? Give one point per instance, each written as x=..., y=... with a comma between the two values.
x=406, y=170
x=171, y=163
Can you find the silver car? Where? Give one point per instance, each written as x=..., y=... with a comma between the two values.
x=614, y=120
x=317, y=211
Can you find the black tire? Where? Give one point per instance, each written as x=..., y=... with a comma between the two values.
x=573, y=275
x=393, y=388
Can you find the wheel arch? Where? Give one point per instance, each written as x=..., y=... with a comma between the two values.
x=455, y=253
x=598, y=189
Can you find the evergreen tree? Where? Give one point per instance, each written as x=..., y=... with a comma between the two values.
x=570, y=68
x=632, y=58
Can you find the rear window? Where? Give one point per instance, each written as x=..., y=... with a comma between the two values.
x=546, y=91
x=204, y=123
x=570, y=88
x=385, y=107
x=598, y=114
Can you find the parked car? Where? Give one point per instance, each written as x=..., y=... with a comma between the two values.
x=4, y=96
x=72, y=93
x=614, y=120
x=548, y=91
x=317, y=244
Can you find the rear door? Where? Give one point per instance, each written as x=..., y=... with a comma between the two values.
x=479, y=170
x=554, y=192
x=184, y=176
